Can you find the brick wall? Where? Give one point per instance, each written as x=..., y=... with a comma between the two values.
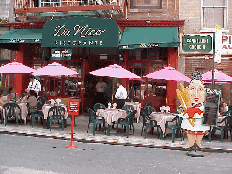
x=169, y=11
x=206, y=64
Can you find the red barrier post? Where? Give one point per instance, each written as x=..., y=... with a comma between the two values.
x=73, y=109
x=71, y=146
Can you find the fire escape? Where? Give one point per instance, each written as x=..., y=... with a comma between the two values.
x=25, y=9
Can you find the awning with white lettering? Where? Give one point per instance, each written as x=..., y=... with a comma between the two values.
x=22, y=36
x=149, y=37
x=81, y=31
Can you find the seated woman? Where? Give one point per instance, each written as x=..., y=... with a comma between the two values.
x=1, y=101
x=224, y=108
x=31, y=99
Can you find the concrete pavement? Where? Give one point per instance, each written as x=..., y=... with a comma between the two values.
x=136, y=140
x=30, y=155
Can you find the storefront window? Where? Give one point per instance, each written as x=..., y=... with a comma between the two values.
x=157, y=88
x=144, y=87
x=157, y=53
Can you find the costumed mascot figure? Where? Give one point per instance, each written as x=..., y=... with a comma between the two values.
x=192, y=101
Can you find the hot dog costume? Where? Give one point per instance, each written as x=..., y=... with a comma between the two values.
x=192, y=101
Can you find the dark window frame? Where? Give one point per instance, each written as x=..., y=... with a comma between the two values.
x=134, y=6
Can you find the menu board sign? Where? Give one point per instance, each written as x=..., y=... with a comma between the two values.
x=73, y=107
x=211, y=105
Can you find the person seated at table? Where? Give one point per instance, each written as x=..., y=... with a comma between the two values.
x=1, y=101
x=120, y=95
x=31, y=98
x=12, y=94
x=224, y=108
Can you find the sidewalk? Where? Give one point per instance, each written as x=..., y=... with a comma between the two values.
x=136, y=140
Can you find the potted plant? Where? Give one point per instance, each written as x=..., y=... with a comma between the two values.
x=5, y=20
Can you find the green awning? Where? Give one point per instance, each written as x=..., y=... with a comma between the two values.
x=22, y=36
x=148, y=37
x=81, y=31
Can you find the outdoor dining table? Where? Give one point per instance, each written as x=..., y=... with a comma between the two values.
x=111, y=115
x=162, y=118
x=137, y=107
x=46, y=108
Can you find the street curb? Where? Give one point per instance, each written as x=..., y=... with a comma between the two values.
x=82, y=140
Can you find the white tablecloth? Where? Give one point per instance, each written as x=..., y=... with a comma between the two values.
x=46, y=108
x=162, y=118
x=220, y=118
x=111, y=115
x=24, y=111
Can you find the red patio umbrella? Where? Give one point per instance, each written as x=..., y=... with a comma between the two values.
x=15, y=68
x=219, y=77
x=115, y=71
x=168, y=73
x=54, y=69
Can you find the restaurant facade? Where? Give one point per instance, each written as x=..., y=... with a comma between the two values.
x=84, y=44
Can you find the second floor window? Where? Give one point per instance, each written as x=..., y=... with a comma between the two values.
x=146, y=4
x=214, y=12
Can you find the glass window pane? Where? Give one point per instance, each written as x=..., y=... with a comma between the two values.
x=146, y=2
x=213, y=16
x=213, y=2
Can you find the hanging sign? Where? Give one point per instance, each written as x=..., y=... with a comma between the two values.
x=61, y=54
x=73, y=107
x=200, y=43
x=226, y=45
x=80, y=31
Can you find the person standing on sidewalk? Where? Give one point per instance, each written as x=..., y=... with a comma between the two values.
x=192, y=100
x=121, y=95
x=100, y=96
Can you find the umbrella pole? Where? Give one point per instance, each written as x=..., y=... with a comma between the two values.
x=54, y=86
x=113, y=90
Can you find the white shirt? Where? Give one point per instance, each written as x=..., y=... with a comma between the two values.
x=35, y=86
x=101, y=86
x=121, y=93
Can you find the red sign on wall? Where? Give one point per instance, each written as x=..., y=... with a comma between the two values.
x=73, y=107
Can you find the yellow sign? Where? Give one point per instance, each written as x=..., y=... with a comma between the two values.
x=218, y=26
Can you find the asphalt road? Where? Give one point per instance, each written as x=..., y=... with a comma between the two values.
x=28, y=155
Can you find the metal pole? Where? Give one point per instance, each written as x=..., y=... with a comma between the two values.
x=213, y=60
x=113, y=91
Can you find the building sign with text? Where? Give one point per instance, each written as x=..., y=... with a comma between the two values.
x=81, y=31
x=61, y=54
x=200, y=43
x=226, y=45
